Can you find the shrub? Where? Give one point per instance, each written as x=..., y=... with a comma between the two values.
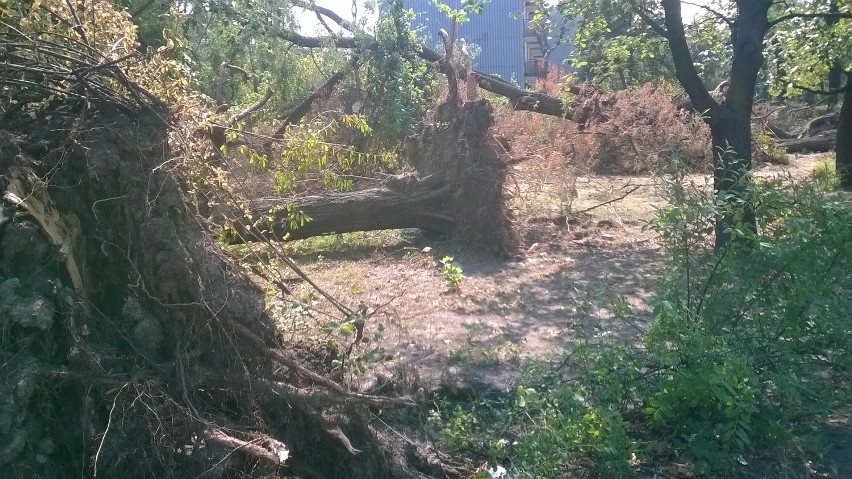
x=746, y=339
x=745, y=343
x=825, y=175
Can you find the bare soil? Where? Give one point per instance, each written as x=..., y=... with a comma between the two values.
x=533, y=307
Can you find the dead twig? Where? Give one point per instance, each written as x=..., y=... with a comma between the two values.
x=584, y=210
x=283, y=359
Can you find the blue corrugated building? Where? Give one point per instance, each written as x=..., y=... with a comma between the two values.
x=502, y=40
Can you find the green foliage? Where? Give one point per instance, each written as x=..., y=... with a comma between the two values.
x=615, y=48
x=539, y=429
x=398, y=82
x=709, y=43
x=745, y=343
x=766, y=148
x=461, y=15
x=452, y=273
x=749, y=337
x=802, y=50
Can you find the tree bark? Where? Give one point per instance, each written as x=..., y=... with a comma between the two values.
x=457, y=192
x=421, y=204
x=519, y=99
x=844, y=137
x=729, y=121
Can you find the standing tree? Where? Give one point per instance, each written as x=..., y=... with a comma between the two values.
x=749, y=23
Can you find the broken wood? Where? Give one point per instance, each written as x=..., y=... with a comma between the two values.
x=520, y=99
x=265, y=447
x=820, y=143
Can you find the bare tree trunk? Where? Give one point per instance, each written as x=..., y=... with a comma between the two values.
x=824, y=141
x=730, y=121
x=844, y=137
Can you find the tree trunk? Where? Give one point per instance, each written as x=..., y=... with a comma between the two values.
x=730, y=121
x=732, y=153
x=844, y=137
x=406, y=203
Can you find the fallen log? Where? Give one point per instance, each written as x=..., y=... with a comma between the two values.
x=417, y=206
x=822, y=142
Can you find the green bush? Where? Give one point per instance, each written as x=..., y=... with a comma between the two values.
x=745, y=343
x=749, y=338
x=825, y=175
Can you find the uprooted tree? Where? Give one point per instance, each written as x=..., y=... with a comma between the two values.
x=424, y=200
x=131, y=346
x=457, y=187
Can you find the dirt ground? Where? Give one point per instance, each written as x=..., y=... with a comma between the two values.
x=506, y=311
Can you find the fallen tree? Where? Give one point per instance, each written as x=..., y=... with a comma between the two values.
x=821, y=142
x=457, y=191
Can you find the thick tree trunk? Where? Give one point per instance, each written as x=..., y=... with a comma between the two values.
x=730, y=121
x=732, y=153
x=415, y=203
x=844, y=137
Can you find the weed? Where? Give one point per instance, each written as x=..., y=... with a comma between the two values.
x=452, y=273
x=765, y=148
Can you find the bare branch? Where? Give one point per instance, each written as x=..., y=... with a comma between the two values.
x=318, y=42
x=648, y=20
x=265, y=447
x=225, y=67
x=302, y=109
x=520, y=99
x=609, y=201
x=719, y=16
x=820, y=91
x=331, y=15
x=252, y=109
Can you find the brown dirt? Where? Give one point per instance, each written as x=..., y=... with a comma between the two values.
x=534, y=307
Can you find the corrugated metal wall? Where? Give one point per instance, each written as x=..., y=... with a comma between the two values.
x=498, y=32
